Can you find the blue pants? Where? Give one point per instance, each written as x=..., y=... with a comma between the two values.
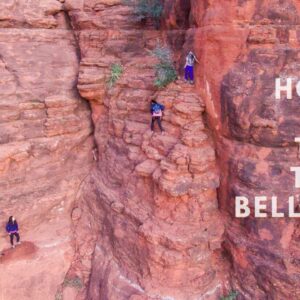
x=189, y=73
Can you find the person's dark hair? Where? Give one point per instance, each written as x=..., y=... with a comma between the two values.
x=10, y=220
x=153, y=101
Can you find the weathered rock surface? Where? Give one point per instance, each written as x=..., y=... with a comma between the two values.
x=156, y=194
x=144, y=223
x=243, y=46
x=45, y=145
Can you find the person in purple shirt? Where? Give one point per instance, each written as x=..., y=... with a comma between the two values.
x=12, y=229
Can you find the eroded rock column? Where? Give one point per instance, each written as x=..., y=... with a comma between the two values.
x=159, y=226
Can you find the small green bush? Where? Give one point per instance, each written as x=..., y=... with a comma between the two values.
x=231, y=296
x=58, y=295
x=73, y=282
x=165, y=74
x=165, y=70
x=147, y=9
x=116, y=71
x=163, y=53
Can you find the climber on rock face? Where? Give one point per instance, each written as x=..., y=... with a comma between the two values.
x=13, y=230
x=156, y=112
x=189, y=67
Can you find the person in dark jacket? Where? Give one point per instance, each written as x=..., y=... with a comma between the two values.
x=12, y=229
x=156, y=110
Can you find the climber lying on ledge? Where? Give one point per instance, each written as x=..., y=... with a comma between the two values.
x=189, y=67
x=156, y=110
x=12, y=229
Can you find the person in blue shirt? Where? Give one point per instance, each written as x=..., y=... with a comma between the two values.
x=156, y=110
x=12, y=229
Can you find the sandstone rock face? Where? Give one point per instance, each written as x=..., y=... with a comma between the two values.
x=145, y=222
x=45, y=145
x=243, y=46
x=156, y=194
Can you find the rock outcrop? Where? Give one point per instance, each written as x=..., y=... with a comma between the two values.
x=45, y=145
x=243, y=46
x=156, y=193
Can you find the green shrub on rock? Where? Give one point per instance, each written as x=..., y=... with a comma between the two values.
x=231, y=296
x=144, y=9
x=165, y=70
x=116, y=71
x=73, y=282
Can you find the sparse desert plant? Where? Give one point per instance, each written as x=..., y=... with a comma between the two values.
x=231, y=296
x=144, y=9
x=165, y=74
x=116, y=71
x=59, y=295
x=74, y=282
x=163, y=53
x=165, y=70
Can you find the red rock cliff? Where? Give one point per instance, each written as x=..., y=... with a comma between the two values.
x=153, y=217
x=156, y=194
x=45, y=145
x=243, y=46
